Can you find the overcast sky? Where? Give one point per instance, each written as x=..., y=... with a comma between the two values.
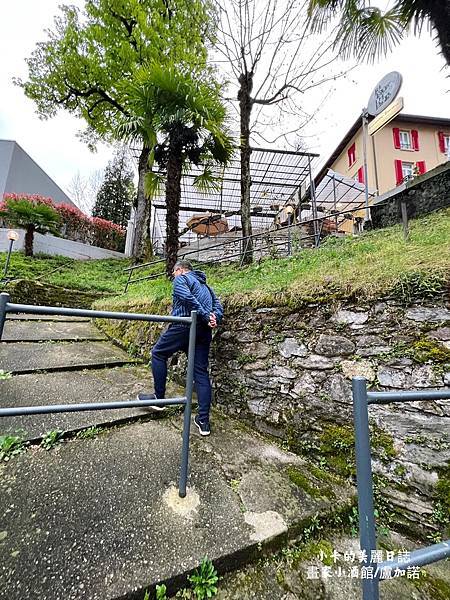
x=53, y=143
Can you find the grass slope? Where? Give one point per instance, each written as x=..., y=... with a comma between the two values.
x=364, y=267
x=104, y=275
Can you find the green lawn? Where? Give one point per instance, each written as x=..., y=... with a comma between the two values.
x=365, y=267
x=91, y=275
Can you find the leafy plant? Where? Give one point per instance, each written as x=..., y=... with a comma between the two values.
x=89, y=433
x=51, y=439
x=10, y=445
x=33, y=213
x=5, y=375
x=204, y=580
x=161, y=592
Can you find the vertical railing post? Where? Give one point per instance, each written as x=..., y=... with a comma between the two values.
x=188, y=406
x=367, y=533
x=128, y=282
x=4, y=299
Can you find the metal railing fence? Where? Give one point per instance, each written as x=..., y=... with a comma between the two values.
x=384, y=570
x=6, y=307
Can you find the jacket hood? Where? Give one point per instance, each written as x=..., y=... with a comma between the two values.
x=198, y=275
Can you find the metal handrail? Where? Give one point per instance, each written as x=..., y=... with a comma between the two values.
x=361, y=400
x=186, y=401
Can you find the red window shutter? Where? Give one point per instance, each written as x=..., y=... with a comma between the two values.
x=396, y=132
x=415, y=139
x=361, y=174
x=398, y=171
x=351, y=153
x=441, y=141
x=421, y=167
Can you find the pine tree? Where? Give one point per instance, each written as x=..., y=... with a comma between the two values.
x=115, y=196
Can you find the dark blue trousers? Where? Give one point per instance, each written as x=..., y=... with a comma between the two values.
x=176, y=339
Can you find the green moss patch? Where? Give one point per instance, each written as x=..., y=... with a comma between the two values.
x=316, y=489
x=425, y=351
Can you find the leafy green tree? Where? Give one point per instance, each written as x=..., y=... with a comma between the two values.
x=367, y=32
x=184, y=120
x=115, y=196
x=90, y=59
x=32, y=215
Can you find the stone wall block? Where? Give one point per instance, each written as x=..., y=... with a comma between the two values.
x=304, y=385
x=334, y=345
x=290, y=347
x=257, y=349
x=432, y=314
x=425, y=377
x=371, y=345
x=442, y=334
x=393, y=378
x=260, y=408
x=340, y=390
x=360, y=368
x=350, y=317
x=315, y=362
x=283, y=372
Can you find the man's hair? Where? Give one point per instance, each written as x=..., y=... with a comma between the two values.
x=183, y=264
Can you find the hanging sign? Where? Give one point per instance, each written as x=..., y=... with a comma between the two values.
x=384, y=93
x=386, y=116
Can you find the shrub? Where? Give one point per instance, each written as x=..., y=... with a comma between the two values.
x=33, y=213
x=68, y=221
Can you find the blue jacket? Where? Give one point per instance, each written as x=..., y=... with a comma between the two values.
x=190, y=292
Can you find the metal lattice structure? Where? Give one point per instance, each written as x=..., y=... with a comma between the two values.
x=278, y=176
x=335, y=192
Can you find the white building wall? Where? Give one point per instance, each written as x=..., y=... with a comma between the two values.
x=50, y=244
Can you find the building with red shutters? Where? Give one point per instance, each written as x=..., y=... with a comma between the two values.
x=407, y=146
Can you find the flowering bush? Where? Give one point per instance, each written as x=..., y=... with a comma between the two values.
x=75, y=225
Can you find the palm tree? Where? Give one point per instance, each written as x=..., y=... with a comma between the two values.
x=31, y=214
x=367, y=32
x=184, y=122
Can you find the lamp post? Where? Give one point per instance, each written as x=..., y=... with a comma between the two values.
x=12, y=236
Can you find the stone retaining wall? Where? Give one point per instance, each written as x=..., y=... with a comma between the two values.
x=289, y=375
x=424, y=194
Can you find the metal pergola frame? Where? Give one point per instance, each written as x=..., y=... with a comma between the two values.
x=277, y=177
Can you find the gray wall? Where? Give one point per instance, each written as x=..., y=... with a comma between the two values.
x=20, y=174
x=422, y=195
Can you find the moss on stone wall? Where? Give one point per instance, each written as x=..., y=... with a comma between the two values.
x=424, y=351
x=25, y=291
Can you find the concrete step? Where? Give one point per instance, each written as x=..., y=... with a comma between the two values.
x=26, y=317
x=38, y=331
x=29, y=357
x=74, y=387
x=101, y=518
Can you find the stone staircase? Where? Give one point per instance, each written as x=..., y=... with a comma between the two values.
x=98, y=515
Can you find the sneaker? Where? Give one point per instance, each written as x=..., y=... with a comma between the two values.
x=203, y=426
x=142, y=396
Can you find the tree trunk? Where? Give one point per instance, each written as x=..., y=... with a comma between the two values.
x=173, y=197
x=245, y=109
x=29, y=239
x=439, y=14
x=142, y=248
